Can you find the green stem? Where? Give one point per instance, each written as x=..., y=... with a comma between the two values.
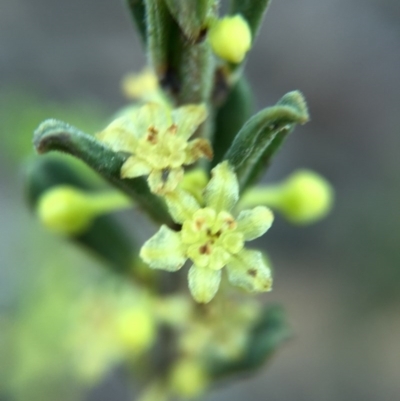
x=109, y=202
x=267, y=196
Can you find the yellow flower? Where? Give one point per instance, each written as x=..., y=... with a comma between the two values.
x=230, y=38
x=143, y=85
x=157, y=139
x=212, y=238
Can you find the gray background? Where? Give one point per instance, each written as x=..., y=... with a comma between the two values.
x=339, y=280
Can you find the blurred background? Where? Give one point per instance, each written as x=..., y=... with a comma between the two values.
x=338, y=279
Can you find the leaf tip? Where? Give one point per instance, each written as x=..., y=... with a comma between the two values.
x=296, y=100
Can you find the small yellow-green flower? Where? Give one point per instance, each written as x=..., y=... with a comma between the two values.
x=212, y=238
x=142, y=85
x=157, y=139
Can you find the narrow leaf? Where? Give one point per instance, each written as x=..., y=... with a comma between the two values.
x=266, y=336
x=53, y=135
x=195, y=73
x=262, y=135
x=190, y=16
x=138, y=13
x=252, y=10
x=230, y=117
x=159, y=25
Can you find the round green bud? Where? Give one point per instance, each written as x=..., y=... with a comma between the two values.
x=230, y=38
x=305, y=197
x=136, y=329
x=188, y=378
x=65, y=210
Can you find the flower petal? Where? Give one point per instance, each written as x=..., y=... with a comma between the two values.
x=164, y=181
x=203, y=283
x=134, y=167
x=198, y=148
x=164, y=250
x=248, y=270
x=188, y=118
x=194, y=182
x=222, y=191
x=120, y=135
x=219, y=258
x=153, y=115
x=254, y=223
x=200, y=259
x=232, y=241
x=181, y=205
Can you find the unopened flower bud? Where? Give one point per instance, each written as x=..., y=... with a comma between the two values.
x=230, y=38
x=70, y=211
x=188, y=378
x=136, y=329
x=302, y=198
x=306, y=197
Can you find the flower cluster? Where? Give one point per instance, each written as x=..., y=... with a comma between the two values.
x=156, y=139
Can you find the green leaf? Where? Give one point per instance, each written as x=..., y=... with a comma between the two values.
x=159, y=31
x=230, y=117
x=262, y=135
x=53, y=135
x=105, y=238
x=265, y=337
x=138, y=13
x=252, y=10
x=184, y=66
x=190, y=16
x=195, y=74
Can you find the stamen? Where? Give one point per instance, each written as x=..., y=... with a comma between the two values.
x=172, y=129
x=199, y=222
x=152, y=134
x=205, y=249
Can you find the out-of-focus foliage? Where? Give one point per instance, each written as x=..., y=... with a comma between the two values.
x=21, y=111
x=35, y=360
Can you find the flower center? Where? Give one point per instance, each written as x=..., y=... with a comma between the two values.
x=212, y=238
x=162, y=149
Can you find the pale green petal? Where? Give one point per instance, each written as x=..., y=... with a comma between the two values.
x=190, y=233
x=219, y=258
x=153, y=115
x=232, y=241
x=198, y=148
x=222, y=191
x=120, y=135
x=255, y=222
x=194, y=182
x=164, y=250
x=203, y=283
x=164, y=181
x=134, y=167
x=188, y=118
x=248, y=270
x=200, y=259
x=181, y=205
